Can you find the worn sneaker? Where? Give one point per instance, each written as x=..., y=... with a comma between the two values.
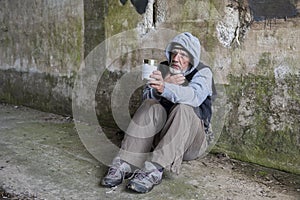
x=117, y=172
x=145, y=179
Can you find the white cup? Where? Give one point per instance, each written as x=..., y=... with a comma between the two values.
x=149, y=65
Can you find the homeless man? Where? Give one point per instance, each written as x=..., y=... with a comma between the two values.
x=170, y=125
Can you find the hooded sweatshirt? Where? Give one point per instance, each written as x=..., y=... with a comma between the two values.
x=199, y=87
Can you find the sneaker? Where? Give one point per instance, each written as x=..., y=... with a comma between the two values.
x=117, y=172
x=145, y=179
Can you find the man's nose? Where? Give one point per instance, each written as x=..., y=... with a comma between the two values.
x=176, y=57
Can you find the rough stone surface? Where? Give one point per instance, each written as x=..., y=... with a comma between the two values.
x=228, y=27
x=41, y=50
x=42, y=157
x=94, y=24
x=43, y=44
x=263, y=124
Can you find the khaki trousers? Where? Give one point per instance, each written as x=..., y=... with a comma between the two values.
x=166, y=139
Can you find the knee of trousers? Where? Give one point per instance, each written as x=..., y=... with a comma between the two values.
x=182, y=107
x=152, y=103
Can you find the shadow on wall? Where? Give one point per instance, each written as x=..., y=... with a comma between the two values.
x=270, y=9
x=140, y=5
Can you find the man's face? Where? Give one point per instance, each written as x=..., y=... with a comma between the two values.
x=180, y=59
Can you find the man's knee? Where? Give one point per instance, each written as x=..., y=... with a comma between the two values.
x=152, y=106
x=150, y=102
x=181, y=107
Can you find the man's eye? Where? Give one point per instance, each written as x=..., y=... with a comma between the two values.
x=183, y=55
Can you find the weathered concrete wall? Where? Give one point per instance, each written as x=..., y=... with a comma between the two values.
x=94, y=24
x=256, y=61
x=41, y=50
x=263, y=77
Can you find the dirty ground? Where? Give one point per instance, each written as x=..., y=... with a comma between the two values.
x=42, y=157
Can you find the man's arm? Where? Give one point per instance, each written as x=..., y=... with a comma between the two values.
x=193, y=94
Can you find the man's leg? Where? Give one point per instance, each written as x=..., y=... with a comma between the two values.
x=183, y=136
x=178, y=138
x=145, y=124
x=137, y=143
x=196, y=150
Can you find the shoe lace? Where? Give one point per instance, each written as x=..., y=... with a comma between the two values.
x=140, y=174
x=112, y=170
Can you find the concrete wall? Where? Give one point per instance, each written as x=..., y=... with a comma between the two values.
x=41, y=50
x=255, y=61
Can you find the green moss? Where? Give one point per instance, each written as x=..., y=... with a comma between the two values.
x=18, y=89
x=76, y=49
x=265, y=63
x=210, y=41
x=262, y=173
x=216, y=4
x=265, y=60
x=120, y=18
x=294, y=88
x=258, y=141
x=190, y=10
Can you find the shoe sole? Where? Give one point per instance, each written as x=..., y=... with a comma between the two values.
x=107, y=183
x=139, y=188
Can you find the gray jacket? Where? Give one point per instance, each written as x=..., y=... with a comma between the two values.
x=194, y=92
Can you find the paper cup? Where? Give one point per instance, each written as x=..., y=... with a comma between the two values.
x=149, y=65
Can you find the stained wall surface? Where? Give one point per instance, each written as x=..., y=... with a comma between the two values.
x=41, y=49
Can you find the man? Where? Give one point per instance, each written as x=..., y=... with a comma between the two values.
x=170, y=125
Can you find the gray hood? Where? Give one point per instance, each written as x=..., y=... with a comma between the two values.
x=190, y=43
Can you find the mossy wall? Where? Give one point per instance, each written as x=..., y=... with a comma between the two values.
x=41, y=50
x=256, y=62
x=94, y=24
x=263, y=121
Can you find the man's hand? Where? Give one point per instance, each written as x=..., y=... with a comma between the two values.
x=159, y=82
x=176, y=79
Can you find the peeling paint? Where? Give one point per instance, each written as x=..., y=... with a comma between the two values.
x=227, y=28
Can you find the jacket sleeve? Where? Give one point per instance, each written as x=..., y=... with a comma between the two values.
x=150, y=93
x=194, y=93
